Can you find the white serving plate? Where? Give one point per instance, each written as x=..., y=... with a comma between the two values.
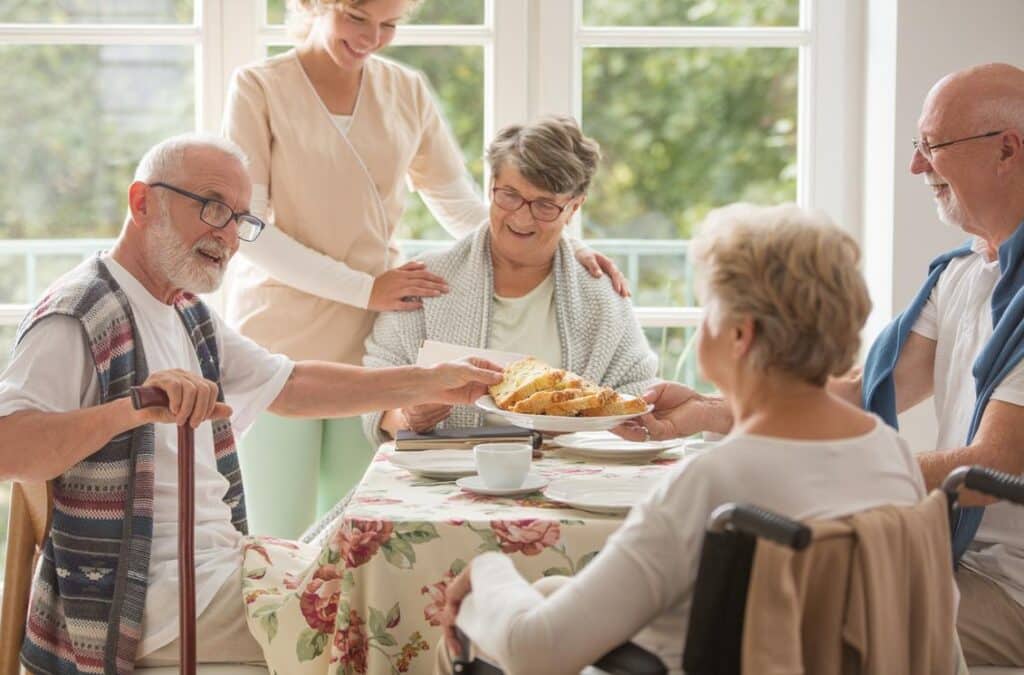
x=612, y=496
x=436, y=464
x=551, y=422
x=604, y=446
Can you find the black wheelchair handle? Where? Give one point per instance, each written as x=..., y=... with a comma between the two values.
x=759, y=522
x=997, y=484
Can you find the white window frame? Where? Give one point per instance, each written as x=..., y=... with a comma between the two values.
x=526, y=50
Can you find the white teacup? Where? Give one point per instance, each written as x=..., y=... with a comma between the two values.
x=503, y=466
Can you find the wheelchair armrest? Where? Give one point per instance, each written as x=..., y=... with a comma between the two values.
x=475, y=667
x=629, y=659
x=761, y=523
x=1005, y=486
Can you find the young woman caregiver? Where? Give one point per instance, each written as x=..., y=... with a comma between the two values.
x=333, y=134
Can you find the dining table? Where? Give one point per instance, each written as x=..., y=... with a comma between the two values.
x=368, y=595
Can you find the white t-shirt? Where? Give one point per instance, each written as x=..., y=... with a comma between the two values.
x=526, y=325
x=641, y=584
x=958, y=316
x=48, y=373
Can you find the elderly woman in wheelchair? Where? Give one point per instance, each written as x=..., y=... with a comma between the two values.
x=784, y=304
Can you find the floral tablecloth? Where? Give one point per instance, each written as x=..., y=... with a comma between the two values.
x=371, y=599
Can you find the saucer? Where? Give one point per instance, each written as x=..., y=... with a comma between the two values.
x=533, y=483
x=435, y=464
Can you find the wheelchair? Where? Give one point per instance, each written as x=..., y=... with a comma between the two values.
x=713, y=643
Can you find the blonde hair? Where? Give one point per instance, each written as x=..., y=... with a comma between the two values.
x=552, y=154
x=302, y=13
x=796, y=275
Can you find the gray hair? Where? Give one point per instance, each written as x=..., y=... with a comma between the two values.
x=552, y=153
x=165, y=161
x=1001, y=112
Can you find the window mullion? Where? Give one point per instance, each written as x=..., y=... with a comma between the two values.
x=508, y=59
x=555, y=70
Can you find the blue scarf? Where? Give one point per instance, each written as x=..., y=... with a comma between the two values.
x=1001, y=353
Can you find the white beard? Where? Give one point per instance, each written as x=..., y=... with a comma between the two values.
x=181, y=264
x=950, y=212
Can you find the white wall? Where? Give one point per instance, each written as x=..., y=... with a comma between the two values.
x=909, y=45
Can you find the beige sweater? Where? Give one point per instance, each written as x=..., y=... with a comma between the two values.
x=873, y=595
x=338, y=194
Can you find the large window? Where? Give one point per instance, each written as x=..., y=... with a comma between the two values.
x=696, y=103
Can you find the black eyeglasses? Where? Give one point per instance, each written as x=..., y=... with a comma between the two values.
x=217, y=214
x=543, y=210
x=926, y=148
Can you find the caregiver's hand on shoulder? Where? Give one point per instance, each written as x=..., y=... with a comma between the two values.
x=191, y=398
x=460, y=382
x=423, y=418
x=457, y=590
x=599, y=264
x=400, y=289
x=678, y=411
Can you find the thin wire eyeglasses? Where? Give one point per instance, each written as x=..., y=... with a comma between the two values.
x=926, y=148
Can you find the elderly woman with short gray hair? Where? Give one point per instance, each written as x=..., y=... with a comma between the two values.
x=515, y=283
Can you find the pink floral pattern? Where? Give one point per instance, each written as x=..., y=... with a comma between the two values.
x=436, y=613
x=319, y=599
x=358, y=540
x=372, y=600
x=351, y=643
x=528, y=536
x=373, y=499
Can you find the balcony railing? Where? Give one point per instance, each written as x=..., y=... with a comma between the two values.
x=38, y=270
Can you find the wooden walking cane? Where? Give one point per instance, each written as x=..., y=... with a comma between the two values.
x=148, y=397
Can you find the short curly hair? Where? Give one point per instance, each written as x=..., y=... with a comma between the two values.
x=552, y=153
x=796, y=275
x=302, y=13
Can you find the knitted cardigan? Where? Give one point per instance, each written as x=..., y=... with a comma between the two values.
x=89, y=591
x=601, y=338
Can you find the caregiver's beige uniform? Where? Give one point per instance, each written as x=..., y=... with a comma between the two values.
x=333, y=189
x=338, y=194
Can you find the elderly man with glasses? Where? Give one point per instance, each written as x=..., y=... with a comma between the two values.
x=105, y=590
x=961, y=341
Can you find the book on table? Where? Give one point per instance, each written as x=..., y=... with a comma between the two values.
x=466, y=437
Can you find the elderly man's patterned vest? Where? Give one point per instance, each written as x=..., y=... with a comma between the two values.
x=89, y=590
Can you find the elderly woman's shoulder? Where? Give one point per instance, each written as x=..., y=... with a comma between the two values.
x=447, y=257
x=597, y=289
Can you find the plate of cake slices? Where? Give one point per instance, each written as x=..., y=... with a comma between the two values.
x=534, y=395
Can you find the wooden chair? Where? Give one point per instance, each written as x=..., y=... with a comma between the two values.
x=29, y=525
